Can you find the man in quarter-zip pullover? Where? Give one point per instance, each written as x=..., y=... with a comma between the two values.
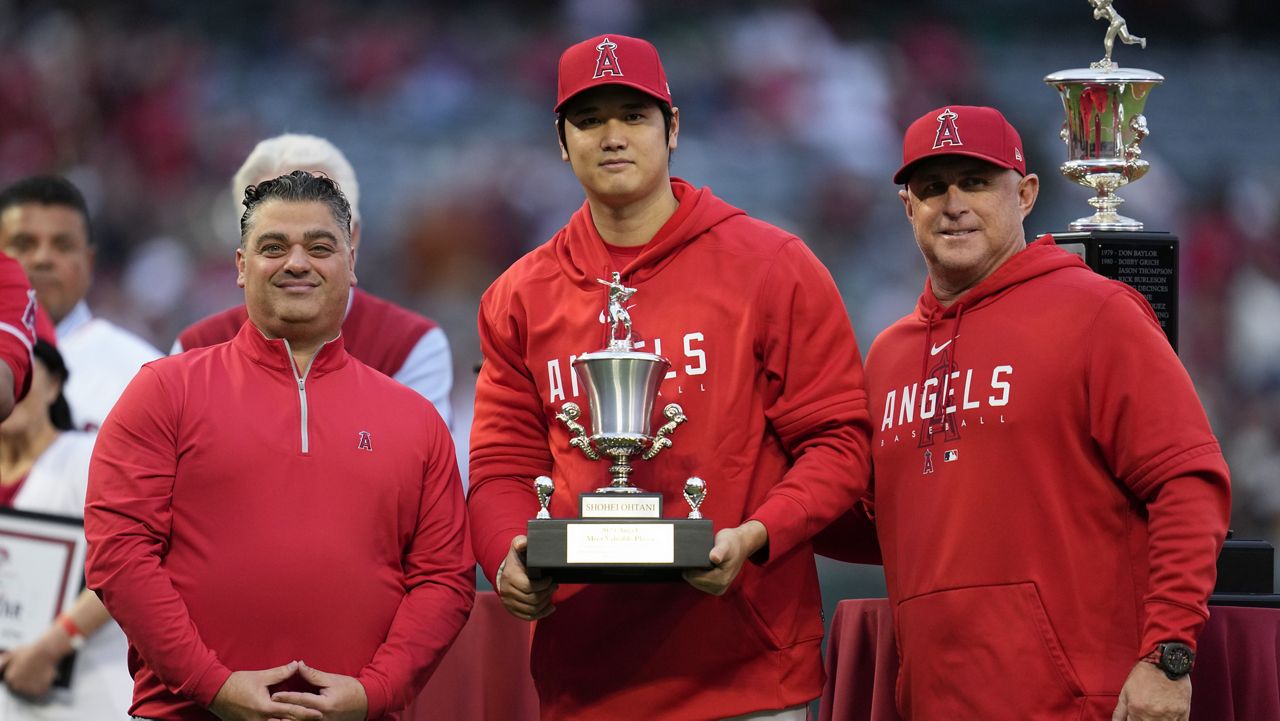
x=278, y=527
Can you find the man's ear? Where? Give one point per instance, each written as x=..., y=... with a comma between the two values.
x=240, y=266
x=1028, y=191
x=564, y=152
x=674, y=136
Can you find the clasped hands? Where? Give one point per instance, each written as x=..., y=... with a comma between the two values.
x=246, y=696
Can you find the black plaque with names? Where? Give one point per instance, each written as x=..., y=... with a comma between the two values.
x=1145, y=260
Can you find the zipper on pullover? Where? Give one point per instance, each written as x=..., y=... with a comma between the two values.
x=301, y=378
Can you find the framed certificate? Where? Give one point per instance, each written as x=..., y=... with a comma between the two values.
x=41, y=574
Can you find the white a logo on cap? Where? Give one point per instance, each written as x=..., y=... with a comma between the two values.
x=948, y=133
x=607, y=61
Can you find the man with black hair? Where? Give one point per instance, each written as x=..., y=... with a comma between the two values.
x=764, y=363
x=278, y=527
x=44, y=225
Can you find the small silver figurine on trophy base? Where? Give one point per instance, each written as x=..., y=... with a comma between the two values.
x=544, y=487
x=695, y=491
x=620, y=533
x=1105, y=125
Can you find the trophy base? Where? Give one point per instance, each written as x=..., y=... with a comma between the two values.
x=630, y=550
x=1146, y=261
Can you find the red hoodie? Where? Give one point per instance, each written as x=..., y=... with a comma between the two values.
x=766, y=367
x=1049, y=497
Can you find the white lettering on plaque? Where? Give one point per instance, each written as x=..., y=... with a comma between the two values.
x=597, y=543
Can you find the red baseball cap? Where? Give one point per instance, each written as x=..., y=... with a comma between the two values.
x=611, y=60
x=978, y=132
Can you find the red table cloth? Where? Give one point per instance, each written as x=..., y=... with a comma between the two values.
x=1236, y=676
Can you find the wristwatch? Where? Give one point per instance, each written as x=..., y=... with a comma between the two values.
x=1175, y=659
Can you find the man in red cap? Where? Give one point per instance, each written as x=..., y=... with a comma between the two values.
x=1049, y=497
x=766, y=367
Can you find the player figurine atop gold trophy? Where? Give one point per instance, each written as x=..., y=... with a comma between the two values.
x=1104, y=124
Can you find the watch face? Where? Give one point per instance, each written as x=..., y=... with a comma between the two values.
x=1176, y=658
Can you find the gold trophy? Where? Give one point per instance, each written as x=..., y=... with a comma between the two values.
x=1103, y=130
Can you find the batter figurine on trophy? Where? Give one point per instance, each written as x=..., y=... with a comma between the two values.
x=618, y=315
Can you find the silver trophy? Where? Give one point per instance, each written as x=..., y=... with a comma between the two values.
x=622, y=389
x=620, y=532
x=1105, y=125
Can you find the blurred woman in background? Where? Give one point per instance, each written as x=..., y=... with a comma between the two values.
x=44, y=466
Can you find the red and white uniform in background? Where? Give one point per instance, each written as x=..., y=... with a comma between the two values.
x=102, y=687
x=1049, y=497
x=765, y=365
x=101, y=359
x=404, y=345
x=17, y=324
x=242, y=514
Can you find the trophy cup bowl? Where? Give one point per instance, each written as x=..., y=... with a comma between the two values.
x=622, y=387
x=1103, y=129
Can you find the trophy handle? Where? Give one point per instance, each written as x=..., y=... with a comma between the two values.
x=569, y=415
x=675, y=416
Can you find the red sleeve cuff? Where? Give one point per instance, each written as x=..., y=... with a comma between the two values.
x=1170, y=622
x=375, y=695
x=209, y=683
x=787, y=523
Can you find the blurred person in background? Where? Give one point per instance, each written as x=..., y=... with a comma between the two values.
x=765, y=364
x=44, y=225
x=44, y=467
x=404, y=345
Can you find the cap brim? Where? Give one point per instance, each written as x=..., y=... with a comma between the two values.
x=629, y=84
x=904, y=173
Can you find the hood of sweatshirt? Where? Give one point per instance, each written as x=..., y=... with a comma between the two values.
x=584, y=257
x=1039, y=258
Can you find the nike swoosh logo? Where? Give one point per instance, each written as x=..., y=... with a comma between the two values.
x=939, y=348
